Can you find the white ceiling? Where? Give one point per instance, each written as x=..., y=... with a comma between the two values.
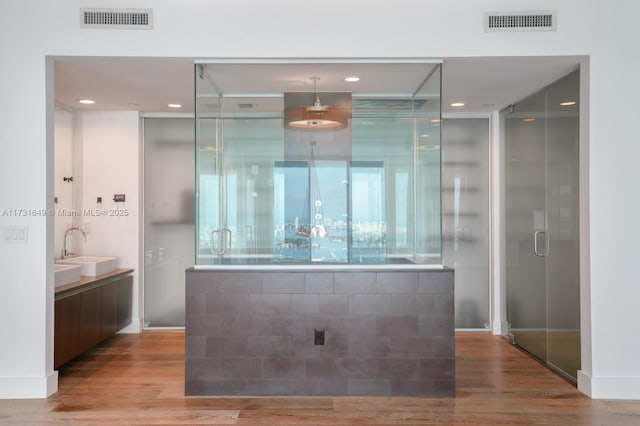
x=149, y=84
x=375, y=78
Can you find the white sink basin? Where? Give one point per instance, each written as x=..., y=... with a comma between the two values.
x=65, y=274
x=91, y=266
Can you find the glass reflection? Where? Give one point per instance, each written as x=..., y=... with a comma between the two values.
x=366, y=193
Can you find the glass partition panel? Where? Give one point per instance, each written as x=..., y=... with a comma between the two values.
x=428, y=209
x=290, y=214
x=465, y=210
x=562, y=204
x=368, y=215
x=355, y=180
x=168, y=218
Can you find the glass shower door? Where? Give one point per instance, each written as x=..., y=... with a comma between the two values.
x=235, y=188
x=248, y=150
x=526, y=224
x=542, y=245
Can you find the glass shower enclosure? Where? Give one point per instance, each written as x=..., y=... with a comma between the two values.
x=364, y=189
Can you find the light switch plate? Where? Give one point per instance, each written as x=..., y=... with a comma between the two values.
x=15, y=234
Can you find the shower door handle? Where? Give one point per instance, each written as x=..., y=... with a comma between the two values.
x=220, y=241
x=536, y=236
x=227, y=231
x=217, y=242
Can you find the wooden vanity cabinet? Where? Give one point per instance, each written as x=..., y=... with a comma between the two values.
x=90, y=318
x=67, y=320
x=87, y=314
x=109, y=310
x=125, y=305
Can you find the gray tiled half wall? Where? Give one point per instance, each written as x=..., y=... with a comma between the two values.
x=386, y=333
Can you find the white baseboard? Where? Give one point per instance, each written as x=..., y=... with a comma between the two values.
x=28, y=387
x=500, y=328
x=609, y=387
x=134, y=328
x=584, y=383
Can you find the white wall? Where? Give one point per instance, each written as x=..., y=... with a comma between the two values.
x=614, y=206
x=26, y=176
x=63, y=166
x=281, y=28
x=110, y=165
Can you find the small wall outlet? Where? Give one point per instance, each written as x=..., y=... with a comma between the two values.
x=118, y=198
x=318, y=336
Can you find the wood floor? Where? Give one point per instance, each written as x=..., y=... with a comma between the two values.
x=138, y=380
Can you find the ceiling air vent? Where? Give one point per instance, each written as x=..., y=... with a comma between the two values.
x=520, y=21
x=117, y=19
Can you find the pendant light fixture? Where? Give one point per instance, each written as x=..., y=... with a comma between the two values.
x=316, y=115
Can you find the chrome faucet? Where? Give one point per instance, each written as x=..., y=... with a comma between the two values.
x=64, y=244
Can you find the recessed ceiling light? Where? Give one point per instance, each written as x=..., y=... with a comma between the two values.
x=174, y=106
x=352, y=79
x=436, y=121
x=425, y=136
x=567, y=103
x=457, y=104
x=528, y=120
x=86, y=101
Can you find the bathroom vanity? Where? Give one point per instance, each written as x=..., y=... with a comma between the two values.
x=89, y=310
x=375, y=330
